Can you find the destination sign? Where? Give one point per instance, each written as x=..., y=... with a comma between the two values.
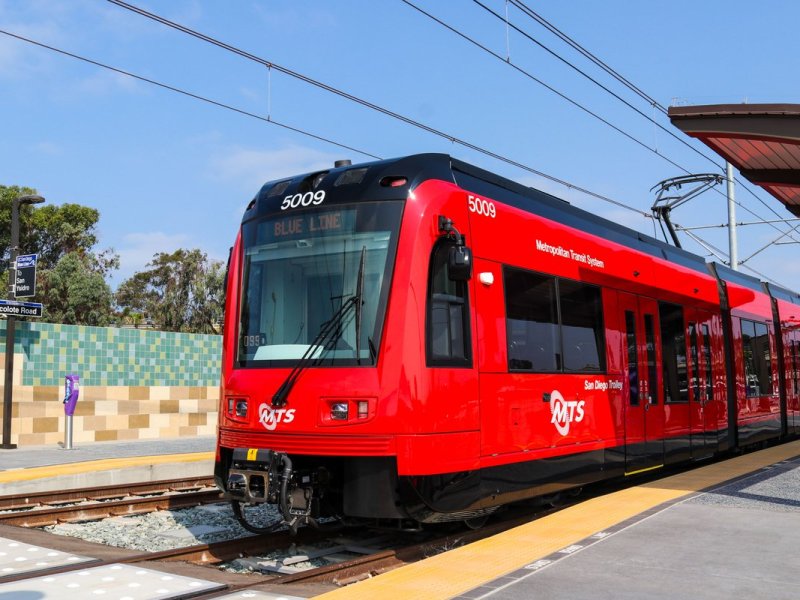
x=308, y=225
x=25, y=280
x=21, y=309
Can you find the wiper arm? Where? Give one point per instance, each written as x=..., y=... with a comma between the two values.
x=279, y=398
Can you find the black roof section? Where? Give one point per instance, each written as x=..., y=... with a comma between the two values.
x=737, y=277
x=782, y=293
x=339, y=185
x=345, y=184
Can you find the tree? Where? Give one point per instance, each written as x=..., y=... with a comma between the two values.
x=208, y=298
x=7, y=195
x=71, y=277
x=76, y=292
x=181, y=291
x=49, y=230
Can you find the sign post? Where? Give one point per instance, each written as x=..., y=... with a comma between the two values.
x=10, y=320
x=71, y=391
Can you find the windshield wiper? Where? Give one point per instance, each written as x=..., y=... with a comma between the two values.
x=333, y=329
x=329, y=327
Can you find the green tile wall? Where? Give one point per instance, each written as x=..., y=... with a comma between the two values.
x=111, y=356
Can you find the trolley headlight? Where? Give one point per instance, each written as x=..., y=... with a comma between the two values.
x=346, y=411
x=241, y=407
x=236, y=408
x=339, y=411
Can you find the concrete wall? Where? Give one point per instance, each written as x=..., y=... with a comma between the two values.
x=135, y=384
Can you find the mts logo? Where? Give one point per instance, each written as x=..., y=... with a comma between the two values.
x=565, y=412
x=270, y=418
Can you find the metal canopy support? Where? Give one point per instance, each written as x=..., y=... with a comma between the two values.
x=670, y=196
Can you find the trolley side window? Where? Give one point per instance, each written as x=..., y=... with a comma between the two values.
x=796, y=366
x=673, y=352
x=448, y=332
x=553, y=324
x=633, y=360
x=650, y=349
x=532, y=322
x=693, y=344
x=757, y=361
x=707, y=359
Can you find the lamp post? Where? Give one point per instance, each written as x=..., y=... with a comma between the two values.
x=11, y=321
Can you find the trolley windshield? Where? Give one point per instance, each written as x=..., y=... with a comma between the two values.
x=301, y=274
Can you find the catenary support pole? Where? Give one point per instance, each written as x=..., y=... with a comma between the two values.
x=733, y=250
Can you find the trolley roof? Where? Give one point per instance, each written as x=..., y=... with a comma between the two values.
x=367, y=183
x=761, y=140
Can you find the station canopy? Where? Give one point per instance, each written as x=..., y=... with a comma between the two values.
x=761, y=140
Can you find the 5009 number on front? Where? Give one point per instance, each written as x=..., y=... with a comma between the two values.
x=307, y=199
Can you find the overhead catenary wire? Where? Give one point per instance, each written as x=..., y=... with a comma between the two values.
x=241, y=111
x=586, y=53
x=721, y=254
x=410, y=121
x=585, y=109
x=739, y=224
x=178, y=90
x=760, y=250
x=272, y=121
x=605, y=121
x=637, y=90
x=605, y=88
x=372, y=106
x=541, y=82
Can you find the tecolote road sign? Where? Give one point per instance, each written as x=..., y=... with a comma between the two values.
x=25, y=280
x=21, y=309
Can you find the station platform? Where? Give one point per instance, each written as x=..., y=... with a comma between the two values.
x=730, y=529
x=34, y=469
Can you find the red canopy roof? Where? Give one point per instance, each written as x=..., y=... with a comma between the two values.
x=761, y=140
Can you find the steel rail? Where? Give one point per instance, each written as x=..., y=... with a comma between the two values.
x=102, y=493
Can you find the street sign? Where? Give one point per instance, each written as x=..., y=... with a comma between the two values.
x=21, y=309
x=25, y=283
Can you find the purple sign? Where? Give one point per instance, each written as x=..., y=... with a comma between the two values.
x=71, y=389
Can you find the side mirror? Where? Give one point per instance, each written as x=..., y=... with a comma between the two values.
x=459, y=263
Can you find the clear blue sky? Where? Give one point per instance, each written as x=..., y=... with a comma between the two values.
x=167, y=171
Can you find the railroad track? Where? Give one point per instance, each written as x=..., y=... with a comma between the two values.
x=74, y=506
x=354, y=559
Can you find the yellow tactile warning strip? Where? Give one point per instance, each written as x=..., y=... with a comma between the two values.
x=457, y=571
x=92, y=466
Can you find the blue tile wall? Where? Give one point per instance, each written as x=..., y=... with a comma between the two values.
x=113, y=356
